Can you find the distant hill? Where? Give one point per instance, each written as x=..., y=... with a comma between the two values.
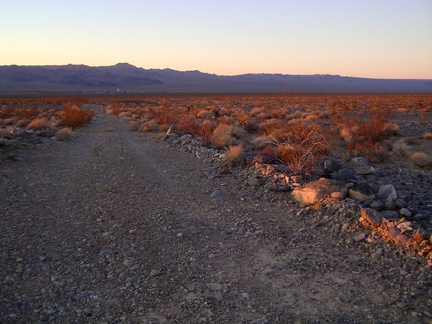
x=128, y=78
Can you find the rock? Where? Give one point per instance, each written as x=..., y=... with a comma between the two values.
x=405, y=212
x=377, y=254
x=219, y=193
x=128, y=262
x=214, y=286
x=253, y=181
x=268, y=272
x=359, y=237
x=398, y=238
x=154, y=273
x=365, y=170
x=387, y=192
x=313, y=191
x=420, y=235
x=405, y=226
x=390, y=205
x=185, y=139
x=377, y=205
x=278, y=187
x=340, y=195
x=173, y=130
x=358, y=162
x=389, y=214
x=372, y=216
x=331, y=165
x=361, y=191
x=343, y=174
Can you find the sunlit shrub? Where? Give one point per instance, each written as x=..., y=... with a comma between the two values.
x=428, y=136
x=38, y=123
x=422, y=160
x=222, y=136
x=234, y=155
x=72, y=116
x=300, y=148
x=64, y=134
x=189, y=124
x=150, y=126
x=207, y=128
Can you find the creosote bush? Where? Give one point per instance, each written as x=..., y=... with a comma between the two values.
x=300, y=148
x=72, y=116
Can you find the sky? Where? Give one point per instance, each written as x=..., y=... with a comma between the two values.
x=362, y=38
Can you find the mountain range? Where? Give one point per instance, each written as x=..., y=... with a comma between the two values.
x=124, y=77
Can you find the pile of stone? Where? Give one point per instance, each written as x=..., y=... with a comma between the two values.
x=380, y=208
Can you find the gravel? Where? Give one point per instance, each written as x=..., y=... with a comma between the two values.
x=113, y=227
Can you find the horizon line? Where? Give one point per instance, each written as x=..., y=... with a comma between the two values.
x=215, y=74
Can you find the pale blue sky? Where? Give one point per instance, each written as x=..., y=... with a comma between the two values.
x=364, y=38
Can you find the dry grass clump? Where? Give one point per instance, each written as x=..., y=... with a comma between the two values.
x=422, y=160
x=150, y=126
x=64, y=134
x=223, y=136
x=38, y=123
x=9, y=121
x=189, y=124
x=300, y=148
x=207, y=128
x=234, y=155
x=428, y=136
x=401, y=148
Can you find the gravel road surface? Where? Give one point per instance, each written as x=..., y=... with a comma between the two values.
x=112, y=227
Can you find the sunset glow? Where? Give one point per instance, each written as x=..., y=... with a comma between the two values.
x=378, y=39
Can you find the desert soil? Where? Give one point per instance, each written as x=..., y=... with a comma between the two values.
x=113, y=227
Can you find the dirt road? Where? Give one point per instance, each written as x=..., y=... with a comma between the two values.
x=112, y=227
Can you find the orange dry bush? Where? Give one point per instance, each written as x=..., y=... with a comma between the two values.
x=164, y=114
x=234, y=155
x=38, y=123
x=206, y=130
x=364, y=132
x=72, y=116
x=189, y=124
x=300, y=148
x=222, y=135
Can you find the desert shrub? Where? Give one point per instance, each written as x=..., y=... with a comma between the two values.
x=271, y=126
x=204, y=114
x=164, y=114
x=22, y=122
x=30, y=113
x=38, y=123
x=124, y=114
x=428, y=136
x=72, y=116
x=189, y=124
x=364, y=135
x=134, y=126
x=222, y=136
x=64, y=134
x=401, y=148
x=150, y=126
x=234, y=155
x=300, y=148
x=113, y=109
x=422, y=160
x=9, y=121
x=207, y=128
